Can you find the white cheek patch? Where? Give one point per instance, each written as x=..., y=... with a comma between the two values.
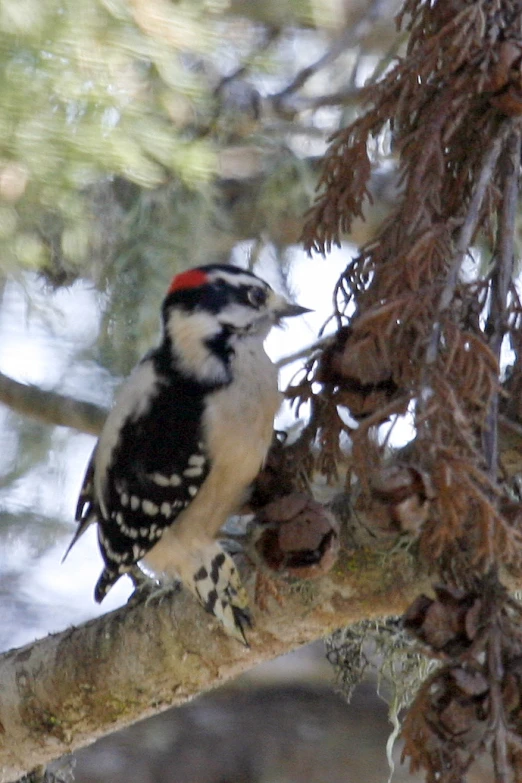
x=190, y=332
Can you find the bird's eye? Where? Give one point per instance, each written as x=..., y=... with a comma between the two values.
x=257, y=296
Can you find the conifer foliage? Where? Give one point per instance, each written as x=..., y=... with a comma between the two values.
x=422, y=313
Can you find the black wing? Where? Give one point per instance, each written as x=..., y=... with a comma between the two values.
x=85, y=514
x=155, y=469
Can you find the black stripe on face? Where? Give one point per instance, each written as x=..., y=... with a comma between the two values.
x=217, y=294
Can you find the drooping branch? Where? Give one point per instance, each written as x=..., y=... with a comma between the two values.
x=421, y=323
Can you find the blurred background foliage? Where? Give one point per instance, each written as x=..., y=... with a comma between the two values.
x=137, y=138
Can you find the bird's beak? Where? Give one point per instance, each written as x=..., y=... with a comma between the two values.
x=291, y=309
x=284, y=309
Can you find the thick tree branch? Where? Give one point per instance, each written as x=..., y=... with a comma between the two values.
x=64, y=691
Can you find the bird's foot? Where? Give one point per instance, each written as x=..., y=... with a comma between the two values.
x=218, y=587
x=148, y=589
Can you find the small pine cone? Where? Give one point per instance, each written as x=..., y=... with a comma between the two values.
x=505, y=79
x=406, y=494
x=359, y=366
x=460, y=702
x=448, y=624
x=276, y=477
x=297, y=536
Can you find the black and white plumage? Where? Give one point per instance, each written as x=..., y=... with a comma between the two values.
x=187, y=435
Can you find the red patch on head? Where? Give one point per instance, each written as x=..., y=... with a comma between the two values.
x=193, y=278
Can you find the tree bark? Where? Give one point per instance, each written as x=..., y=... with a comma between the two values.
x=65, y=691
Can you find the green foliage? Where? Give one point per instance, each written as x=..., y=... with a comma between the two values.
x=90, y=90
x=98, y=95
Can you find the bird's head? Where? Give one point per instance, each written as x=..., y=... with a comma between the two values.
x=209, y=308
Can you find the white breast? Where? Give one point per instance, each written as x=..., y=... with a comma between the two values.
x=239, y=422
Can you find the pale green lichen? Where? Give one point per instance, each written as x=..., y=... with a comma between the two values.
x=381, y=648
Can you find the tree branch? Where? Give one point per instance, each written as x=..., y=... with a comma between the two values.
x=501, y=278
x=241, y=199
x=350, y=36
x=51, y=407
x=466, y=233
x=59, y=410
x=63, y=692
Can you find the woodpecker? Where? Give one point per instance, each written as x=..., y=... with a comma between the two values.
x=188, y=433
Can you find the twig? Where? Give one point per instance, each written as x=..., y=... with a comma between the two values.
x=504, y=255
x=495, y=667
x=350, y=96
x=293, y=357
x=242, y=70
x=501, y=277
x=351, y=36
x=510, y=425
x=465, y=236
